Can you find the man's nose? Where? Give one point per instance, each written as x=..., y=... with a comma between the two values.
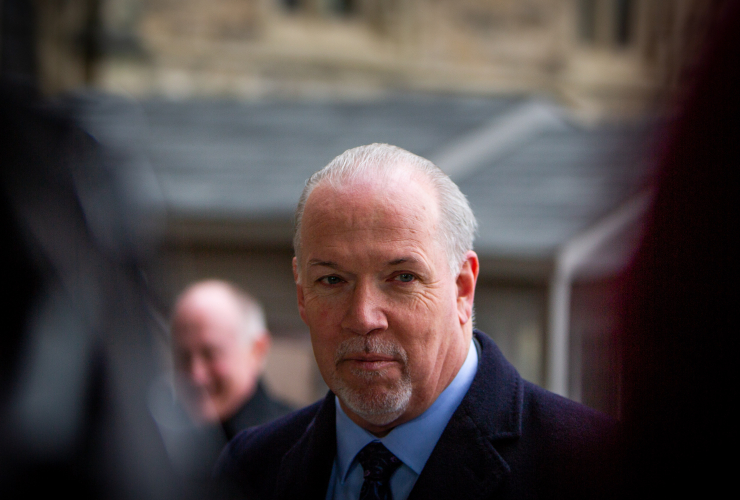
x=198, y=372
x=365, y=312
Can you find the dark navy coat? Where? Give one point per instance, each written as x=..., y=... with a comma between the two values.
x=508, y=439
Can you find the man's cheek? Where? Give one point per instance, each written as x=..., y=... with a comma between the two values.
x=321, y=314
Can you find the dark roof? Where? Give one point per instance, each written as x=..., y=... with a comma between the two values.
x=534, y=177
x=554, y=186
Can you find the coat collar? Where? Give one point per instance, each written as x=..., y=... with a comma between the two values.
x=496, y=397
x=465, y=463
x=306, y=468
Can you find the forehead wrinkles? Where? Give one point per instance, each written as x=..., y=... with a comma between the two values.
x=380, y=224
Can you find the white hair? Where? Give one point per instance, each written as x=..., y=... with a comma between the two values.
x=253, y=324
x=457, y=222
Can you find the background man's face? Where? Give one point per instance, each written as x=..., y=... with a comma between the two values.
x=218, y=366
x=376, y=292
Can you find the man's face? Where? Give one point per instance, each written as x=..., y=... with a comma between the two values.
x=375, y=289
x=218, y=368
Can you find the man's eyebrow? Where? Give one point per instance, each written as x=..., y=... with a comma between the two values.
x=403, y=260
x=325, y=263
x=334, y=265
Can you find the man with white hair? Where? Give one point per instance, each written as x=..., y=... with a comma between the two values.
x=219, y=348
x=421, y=404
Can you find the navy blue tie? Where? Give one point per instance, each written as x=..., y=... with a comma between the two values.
x=379, y=465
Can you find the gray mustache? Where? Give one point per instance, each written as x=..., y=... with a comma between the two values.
x=369, y=345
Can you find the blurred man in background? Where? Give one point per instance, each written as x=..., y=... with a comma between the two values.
x=219, y=348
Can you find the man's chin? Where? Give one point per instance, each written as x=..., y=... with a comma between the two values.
x=377, y=407
x=203, y=411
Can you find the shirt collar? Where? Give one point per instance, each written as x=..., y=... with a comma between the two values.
x=413, y=441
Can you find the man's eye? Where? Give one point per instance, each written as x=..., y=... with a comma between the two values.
x=182, y=359
x=209, y=354
x=405, y=277
x=331, y=280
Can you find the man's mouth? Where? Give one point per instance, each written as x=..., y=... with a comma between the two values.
x=203, y=391
x=370, y=362
x=369, y=354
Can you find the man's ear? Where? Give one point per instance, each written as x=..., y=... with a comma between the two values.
x=299, y=290
x=260, y=348
x=466, y=287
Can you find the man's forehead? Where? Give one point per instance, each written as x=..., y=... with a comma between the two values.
x=369, y=222
x=203, y=312
x=405, y=192
x=403, y=214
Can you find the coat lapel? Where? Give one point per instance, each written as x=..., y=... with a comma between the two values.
x=306, y=468
x=465, y=463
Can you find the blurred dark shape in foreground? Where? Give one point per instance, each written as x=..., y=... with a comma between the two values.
x=77, y=352
x=679, y=381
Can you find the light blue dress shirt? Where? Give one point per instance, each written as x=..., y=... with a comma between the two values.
x=412, y=442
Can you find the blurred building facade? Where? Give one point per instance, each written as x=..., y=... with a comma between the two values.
x=594, y=55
